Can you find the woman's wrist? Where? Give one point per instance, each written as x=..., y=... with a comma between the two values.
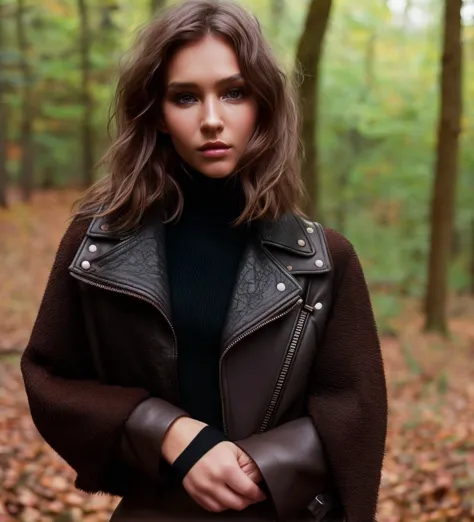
x=178, y=437
x=202, y=443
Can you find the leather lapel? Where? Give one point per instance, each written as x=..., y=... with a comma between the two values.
x=134, y=264
x=262, y=289
x=265, y=284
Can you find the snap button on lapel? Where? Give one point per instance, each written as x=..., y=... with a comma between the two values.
x=301, y=242
x=85, y=265
x=319, y=263
x=92, y=248
x=318, y=306
x=289, y=267
x=104, y=227
x=281, y=287
x=310, y=230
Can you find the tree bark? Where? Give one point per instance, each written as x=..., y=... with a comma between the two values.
x=309, y=57
x=87, y=103
x=155, y=5
x=471, y=261
x=26, y=137
x=3, y=122
x=444, y=190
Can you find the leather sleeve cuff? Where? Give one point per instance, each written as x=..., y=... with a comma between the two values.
x=144, y=432
x=292, y=462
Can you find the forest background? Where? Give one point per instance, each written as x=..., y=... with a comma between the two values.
x=386, y=127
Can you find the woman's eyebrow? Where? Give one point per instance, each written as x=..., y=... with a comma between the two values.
x=190, y=85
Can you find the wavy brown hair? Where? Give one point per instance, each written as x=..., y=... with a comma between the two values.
x=141, y=159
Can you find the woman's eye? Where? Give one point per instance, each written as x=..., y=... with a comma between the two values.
x=235, y=94
x=184, y=99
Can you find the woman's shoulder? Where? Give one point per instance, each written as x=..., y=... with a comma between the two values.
x=345, y=260
x=72, y=238
x=342, y=253
x=339, y=246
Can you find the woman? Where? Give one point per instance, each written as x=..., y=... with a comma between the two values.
x=202, y=349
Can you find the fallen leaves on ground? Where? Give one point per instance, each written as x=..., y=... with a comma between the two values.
x=36, y=485
x=428, y=471
x=29, y=237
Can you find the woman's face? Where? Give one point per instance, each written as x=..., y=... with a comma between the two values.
x=207, y=111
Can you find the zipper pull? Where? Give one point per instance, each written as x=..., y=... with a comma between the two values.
x=306, y=307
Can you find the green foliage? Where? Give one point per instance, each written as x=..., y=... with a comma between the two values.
x=379, y=108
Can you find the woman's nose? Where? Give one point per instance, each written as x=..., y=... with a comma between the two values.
x=211, y=118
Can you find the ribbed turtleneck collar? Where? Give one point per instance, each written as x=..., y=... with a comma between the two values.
x=216, y=199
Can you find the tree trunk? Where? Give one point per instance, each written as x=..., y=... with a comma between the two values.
x=308, y=56
x=87, y=130
x=47, y=181
x=3, y=122
x=26, y=138
x=444, y=193
x=155, y=5
x=472, y=260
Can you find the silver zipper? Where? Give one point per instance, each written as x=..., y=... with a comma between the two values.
x=138, y=296
x=300, y=323
x=238, y=339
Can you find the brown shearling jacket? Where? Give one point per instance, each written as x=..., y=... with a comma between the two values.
x=302, y=381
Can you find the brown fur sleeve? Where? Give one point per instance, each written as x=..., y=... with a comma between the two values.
x=348, y=396
x=79, y=417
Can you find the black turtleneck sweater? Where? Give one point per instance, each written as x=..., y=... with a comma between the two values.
x=203, y=255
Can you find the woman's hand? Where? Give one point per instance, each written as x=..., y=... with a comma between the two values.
x=248, y=466
x=216, y=482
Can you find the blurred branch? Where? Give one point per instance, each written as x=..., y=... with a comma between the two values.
x=277, y=11
x=406, y=12
x=156, y=5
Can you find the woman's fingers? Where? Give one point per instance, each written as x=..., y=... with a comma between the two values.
x=217, y=483
x=228, y=497
x=239, y=482
x=208, y=503
x=218, y=498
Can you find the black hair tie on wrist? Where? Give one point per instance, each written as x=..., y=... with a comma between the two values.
x=204, y=441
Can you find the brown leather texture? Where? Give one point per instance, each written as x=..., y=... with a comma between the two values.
x=144, y=432
x=292, y=462
x=136, y=265
x=250, y=366
x=299, y=346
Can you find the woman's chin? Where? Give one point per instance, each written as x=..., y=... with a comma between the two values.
x=218, y=169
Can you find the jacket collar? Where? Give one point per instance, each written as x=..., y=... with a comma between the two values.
x=135, y=264
x=301, y=240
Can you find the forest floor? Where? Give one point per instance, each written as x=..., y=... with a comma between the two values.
x=429, y=465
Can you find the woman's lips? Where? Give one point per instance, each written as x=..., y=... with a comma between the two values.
x=215, y=152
